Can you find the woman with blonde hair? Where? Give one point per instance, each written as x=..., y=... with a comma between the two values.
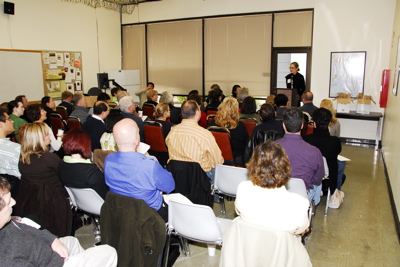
x=161, y=113
x=41, y=192
x=228, y=117
x=334, y=126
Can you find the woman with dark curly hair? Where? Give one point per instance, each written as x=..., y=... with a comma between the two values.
x=264, y=200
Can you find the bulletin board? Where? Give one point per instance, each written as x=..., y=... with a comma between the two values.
x=62, y=70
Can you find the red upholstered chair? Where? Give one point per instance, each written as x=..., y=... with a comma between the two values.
x=63, y=112
x=211, y=111
x=210, y=118
x=148, y=110
x=56, y=123
x=154, y=137
x=74, y=123
x=250, y=123
x=223, y=139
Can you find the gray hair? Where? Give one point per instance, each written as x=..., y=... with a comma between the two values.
x=125, y=103
x=76, y=98
x=121, y=95
x=243, y=93
x=166, y=97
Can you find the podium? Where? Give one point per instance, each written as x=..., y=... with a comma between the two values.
x=291, y=93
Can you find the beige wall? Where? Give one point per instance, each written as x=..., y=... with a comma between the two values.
x=58, y=25
x=391, y=143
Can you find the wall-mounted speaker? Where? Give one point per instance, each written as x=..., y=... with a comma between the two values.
x=9, y=8
x=102, y=81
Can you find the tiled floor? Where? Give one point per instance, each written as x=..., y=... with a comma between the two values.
x=360, y=233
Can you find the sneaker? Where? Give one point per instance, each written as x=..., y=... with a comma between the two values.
x=336, y=200
x=341, y=194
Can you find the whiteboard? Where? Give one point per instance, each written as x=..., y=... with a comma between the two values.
x=21, y=73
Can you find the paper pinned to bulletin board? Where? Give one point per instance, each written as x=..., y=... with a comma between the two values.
x=62, y=71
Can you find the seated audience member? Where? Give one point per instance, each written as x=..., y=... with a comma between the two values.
x=81, y=110
x=103, y=97
x=132, y=174
x=167, y=97
x=94, y=125
x=267, y=115
x=66, y=98
x=41, y=192
x=214, y=98
x=76, y=170
x=305, y=159
x=16, y=110
x=228, y=117
x=48, y=105
x=152, y=96
x=107, y=140
x=161, y=113
x=308, y=106
x=243, y=93
x=9, y=152
x=334, y=130
x=235, y=90
x=142, y=93
x=115, y=92
x=23, y=245
x=25, y=103
x=249, y=109
x=194, y=95
x=281, y=104
x=188, y=141
x=330, y=147
x=264, y=200
x=128, y=110
x=334, y=126
x=36, y=113
x=270, y=100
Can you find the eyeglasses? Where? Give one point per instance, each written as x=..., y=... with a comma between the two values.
x=291, y=67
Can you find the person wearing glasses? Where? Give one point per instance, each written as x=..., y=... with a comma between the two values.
x=295, y=80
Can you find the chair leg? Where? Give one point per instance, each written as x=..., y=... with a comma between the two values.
x=184, y=246
x=166, y=249
x=222, y=203
x=96, y=230
x=327, y=202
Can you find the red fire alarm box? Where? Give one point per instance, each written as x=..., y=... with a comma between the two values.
x=384, y=88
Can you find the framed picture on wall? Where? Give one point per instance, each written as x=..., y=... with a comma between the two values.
x=396, y=70
x=347, y=73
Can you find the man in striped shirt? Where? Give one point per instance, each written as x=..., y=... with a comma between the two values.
x=188, y=141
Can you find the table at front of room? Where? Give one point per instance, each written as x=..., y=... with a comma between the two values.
x=372, y=117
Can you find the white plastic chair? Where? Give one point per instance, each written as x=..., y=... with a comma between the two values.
x=296, y=185
x=197, y=223
x=72, y=201
x=227, y=180
x=90, y=202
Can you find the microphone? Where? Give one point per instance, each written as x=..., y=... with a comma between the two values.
x=291, y=82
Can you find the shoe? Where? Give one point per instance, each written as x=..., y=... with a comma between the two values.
x=341, y=194
x=336, y=200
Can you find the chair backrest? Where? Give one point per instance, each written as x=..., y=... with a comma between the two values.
x=211, y=111
x=223, y=139
x=56, y=123
x=112, y=104
x=296, y=185
x=87, y=200
x=193, y=221
x=154, y=136
x=74, y=123
x=210, y=117
x=148, y=110
x=94, y=91
x=308, y=124
x=250, y=123
x=228, y=178
x=62, y=111
x=71, y=197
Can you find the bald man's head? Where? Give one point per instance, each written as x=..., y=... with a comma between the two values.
x=126, y=134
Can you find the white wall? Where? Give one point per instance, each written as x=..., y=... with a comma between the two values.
x=58, y=25
x=391, y=143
